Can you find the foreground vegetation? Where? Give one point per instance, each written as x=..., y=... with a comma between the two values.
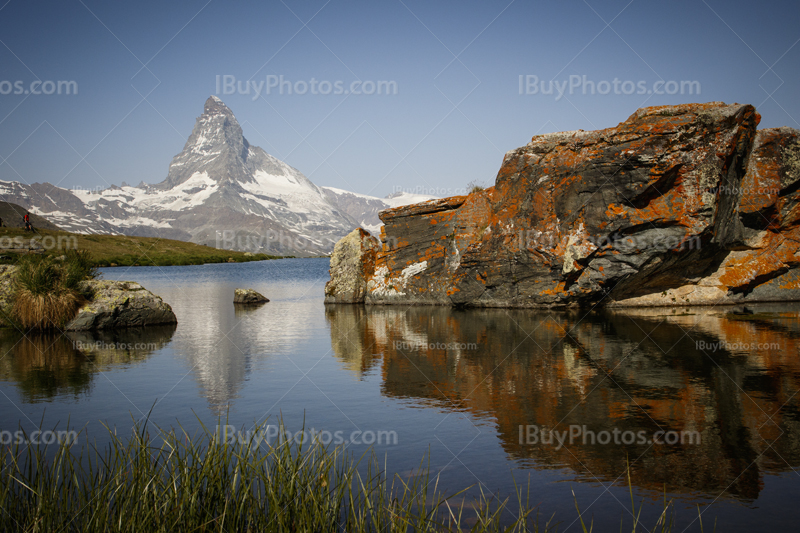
x=47, y=291
x=179, y=482
x=121, y=250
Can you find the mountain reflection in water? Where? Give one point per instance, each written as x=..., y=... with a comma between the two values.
x=732, y=378
x=46, y=365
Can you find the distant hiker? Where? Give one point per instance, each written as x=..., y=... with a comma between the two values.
x=27, y=219
x=1, y=222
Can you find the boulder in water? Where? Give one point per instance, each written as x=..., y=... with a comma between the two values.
x=248, y=296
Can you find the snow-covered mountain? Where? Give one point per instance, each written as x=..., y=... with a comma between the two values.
x=219, y=191
x=364, y=209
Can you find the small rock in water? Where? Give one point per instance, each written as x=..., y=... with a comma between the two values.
x=248, y=296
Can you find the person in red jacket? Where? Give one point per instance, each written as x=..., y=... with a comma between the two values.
x=27, y=219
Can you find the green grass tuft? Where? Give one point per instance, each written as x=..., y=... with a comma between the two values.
x=78, y=266
x=47, y=288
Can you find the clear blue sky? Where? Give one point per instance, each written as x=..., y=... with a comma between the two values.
x=144, y=69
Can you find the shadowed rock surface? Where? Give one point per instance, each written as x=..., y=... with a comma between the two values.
x=762, y=266
x=677, y=205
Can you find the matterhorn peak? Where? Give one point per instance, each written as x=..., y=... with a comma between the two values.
x=216, y=147
x=222, y=176
x=219, y=191
x=214, y=106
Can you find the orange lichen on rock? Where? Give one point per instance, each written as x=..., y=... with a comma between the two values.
x=675, y=198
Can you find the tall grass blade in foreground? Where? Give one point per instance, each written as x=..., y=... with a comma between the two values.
x=207, y=482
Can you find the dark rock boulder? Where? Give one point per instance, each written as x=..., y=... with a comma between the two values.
x=120, y=304
x=763, y=265
x=248, y=296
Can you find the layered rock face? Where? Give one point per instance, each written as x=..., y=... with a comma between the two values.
x=763, y=266
x=676, y=205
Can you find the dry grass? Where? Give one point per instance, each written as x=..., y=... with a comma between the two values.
x=474, y=186
x=46, y=289
x=45, y=311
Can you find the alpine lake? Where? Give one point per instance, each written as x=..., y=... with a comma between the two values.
x=700, y=406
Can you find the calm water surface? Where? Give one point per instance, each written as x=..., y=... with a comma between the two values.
x=481, y=391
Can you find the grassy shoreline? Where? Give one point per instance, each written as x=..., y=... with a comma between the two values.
x=174, y=481
x=154, y=480
x=122, y=250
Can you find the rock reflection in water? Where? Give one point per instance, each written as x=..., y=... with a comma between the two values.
x=353, y=336
x=732, y=379
x=46, y=365
x=243, y=310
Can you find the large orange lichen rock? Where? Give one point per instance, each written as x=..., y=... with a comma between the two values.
x=676, y=205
